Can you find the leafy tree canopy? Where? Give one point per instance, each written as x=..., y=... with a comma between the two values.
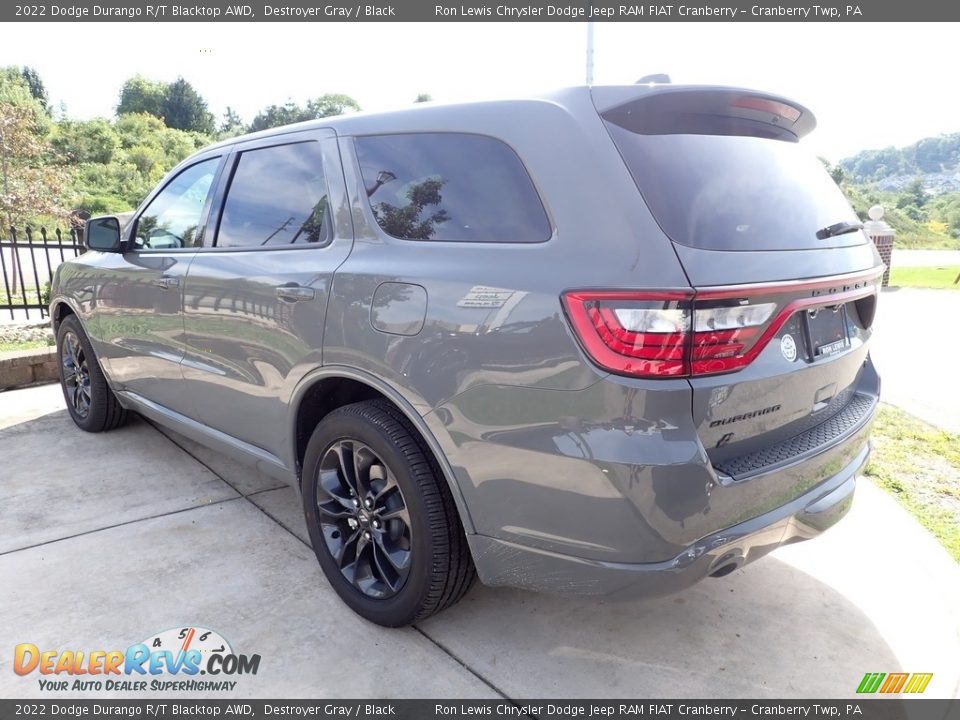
x=177, y=103
x=140, y=95
x=15, y=90
x=37, y=89
x=323, y=106
x=930, y=155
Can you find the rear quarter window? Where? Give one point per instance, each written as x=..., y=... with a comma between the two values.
x=450, y=187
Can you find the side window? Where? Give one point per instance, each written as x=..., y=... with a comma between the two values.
x=450, y=186
x=278, y=196
x=172, y=219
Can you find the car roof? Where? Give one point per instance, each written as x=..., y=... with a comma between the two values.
x=433, y=116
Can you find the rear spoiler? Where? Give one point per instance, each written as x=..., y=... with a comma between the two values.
x=700, y=110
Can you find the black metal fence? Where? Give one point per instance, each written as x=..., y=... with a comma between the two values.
x=27, y=262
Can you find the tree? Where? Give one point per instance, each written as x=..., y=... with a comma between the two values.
x=139, y=95
x=913, y=195
x=184, y=109
x=232, y=124
x=86, y=141
x=37, y=89
x=329, y=105
x=836, y=171
x=424, y=97
x=28, y=188
x=323, y=106
x=277, y=115
x=416, y=220
x=15, y=90
x=142, y=149
x=177, y=103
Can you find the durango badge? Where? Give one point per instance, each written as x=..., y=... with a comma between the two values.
x=788, y=347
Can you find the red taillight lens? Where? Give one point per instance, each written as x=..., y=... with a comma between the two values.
x=665, y=334
x=642, y=334
x=724, y=332
x=677, y=333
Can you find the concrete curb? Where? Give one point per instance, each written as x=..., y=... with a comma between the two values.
x=20, y=368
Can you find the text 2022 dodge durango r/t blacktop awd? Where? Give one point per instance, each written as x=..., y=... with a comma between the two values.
x=609, y=341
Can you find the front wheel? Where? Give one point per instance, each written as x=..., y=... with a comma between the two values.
x=90, y=401
x=381, y=519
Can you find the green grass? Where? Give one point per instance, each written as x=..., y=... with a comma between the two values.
x=925, y=277
x=920, y=466
x=18, y=297
x=925, y=241
x=25, y=345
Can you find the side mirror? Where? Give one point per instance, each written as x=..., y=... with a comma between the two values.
x=103, y=234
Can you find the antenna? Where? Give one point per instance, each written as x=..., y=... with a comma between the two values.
x=590, y=52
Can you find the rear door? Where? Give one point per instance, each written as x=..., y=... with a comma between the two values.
x=256, y=295
x=784, y=281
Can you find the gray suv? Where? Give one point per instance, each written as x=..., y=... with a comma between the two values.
x=609, y=341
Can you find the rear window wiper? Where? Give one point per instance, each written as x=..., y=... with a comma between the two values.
x=840, y=228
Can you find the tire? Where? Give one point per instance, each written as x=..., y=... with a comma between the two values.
x=90, y=401
x=382, y=522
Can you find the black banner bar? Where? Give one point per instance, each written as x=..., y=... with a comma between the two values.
x=893, y=708
x=447, y=10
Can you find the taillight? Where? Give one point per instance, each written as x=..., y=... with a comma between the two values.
x=642, y=334
x=724, y=332
x=678, y=333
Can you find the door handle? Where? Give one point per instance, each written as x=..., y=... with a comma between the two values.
x=295, y=293
x=167, y=282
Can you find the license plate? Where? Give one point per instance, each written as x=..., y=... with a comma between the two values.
x=828, y=331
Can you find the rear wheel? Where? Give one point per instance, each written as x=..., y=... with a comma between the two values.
x=381, y=519
x=90, y=401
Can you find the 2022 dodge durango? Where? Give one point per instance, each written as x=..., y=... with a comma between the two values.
x=609, y=341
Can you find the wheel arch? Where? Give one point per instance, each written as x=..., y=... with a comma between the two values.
x=326, y=389
x=61, y=308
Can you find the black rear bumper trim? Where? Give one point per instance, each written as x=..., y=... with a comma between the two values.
x=858, y=411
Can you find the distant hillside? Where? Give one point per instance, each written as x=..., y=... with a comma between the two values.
x=936, y=160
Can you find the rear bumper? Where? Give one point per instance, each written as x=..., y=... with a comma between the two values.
x=501, y=562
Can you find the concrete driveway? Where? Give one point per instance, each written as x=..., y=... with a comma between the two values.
x=108, y=539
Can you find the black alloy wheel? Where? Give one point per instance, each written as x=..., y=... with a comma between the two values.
x=90, y=400
x=76, y=374
x=381, y=518
x=364, y=518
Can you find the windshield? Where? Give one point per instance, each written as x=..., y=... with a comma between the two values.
x=735, y=192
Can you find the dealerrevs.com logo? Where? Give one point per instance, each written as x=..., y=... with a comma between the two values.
x=170, y=661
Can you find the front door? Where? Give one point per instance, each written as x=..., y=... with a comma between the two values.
x=140, y=306
x=255, y=300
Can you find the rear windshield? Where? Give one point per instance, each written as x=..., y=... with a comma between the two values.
x=735, y=192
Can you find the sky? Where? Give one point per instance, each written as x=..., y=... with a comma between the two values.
x=870, y=85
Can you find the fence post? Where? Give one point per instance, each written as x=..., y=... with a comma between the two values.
x=60, y=243
x=882, y=236
x=18, y=271
x=36, y=273
x=6, y=283
x=46, y=252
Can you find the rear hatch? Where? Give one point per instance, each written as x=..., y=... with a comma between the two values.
x=777, y=325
